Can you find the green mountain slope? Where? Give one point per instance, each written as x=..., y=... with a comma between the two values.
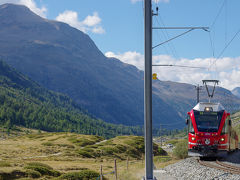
x=64, y=59
x=24, y=102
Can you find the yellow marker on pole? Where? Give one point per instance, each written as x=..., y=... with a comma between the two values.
x=154, y=76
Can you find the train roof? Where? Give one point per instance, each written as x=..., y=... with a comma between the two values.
x=214, y=106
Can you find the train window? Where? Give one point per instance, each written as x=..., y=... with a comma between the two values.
x=190, y=125
x=208, y=121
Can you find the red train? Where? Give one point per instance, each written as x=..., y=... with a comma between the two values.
x=210, y=131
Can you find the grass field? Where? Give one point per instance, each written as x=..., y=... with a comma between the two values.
x=64, y=153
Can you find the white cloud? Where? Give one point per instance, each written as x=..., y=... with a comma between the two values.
x=164, y=1
x=226, y=69
x=134, y=1
x=155, y=1
x=98, y=30
x=41, y=11
x=90, y=23
x=71, y=18
x=92, y=20
x=129, y=57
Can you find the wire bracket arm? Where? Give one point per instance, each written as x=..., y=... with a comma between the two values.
x=190, y=29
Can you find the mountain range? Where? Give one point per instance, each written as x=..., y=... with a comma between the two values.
x=66, y=60
x=24, y=102
x=236, y=91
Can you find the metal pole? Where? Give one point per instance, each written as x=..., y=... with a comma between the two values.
x=161, y=133
x=198, y=89
x=101, y=174
x=115, y=168
x=148, y=89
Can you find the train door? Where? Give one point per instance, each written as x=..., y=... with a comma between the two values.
x=225, y=133
x=190, y=131
x=190, y=125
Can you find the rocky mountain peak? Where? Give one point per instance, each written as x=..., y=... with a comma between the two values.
x=17, y=13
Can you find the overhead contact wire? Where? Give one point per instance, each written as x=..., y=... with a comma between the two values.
x=228, y=44
x=219, y=12
x=165, y=33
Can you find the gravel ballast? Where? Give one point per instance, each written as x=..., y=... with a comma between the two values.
x=190, y=169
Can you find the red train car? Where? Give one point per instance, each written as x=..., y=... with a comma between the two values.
x=210, y=131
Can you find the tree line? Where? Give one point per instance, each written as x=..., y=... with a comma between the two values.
x=24, y=103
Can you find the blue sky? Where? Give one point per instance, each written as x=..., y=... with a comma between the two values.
x=116, y=26
x=122, y=21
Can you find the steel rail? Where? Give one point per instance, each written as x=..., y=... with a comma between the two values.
x=221, y=166
x=228, y=165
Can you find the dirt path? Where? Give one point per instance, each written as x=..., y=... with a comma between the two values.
x=43, y=156
x=96, y=143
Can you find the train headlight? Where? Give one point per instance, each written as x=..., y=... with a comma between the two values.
x=222, y=139
x=193, y=138
x=208, y=109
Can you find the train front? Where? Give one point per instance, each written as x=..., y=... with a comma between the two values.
x=207, y=130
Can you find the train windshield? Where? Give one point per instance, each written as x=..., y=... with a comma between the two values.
x=208, y=121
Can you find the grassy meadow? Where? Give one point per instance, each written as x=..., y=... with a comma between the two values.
x=43, y=155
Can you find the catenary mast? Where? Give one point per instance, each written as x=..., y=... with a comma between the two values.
x=148, y=89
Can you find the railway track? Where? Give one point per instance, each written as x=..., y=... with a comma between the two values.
x=221, y=166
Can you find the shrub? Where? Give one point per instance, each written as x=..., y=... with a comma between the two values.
x=97, y=138
x=81, y=142
x=136, y=142
x=161, y=152
x=121, y=148
x=47, y=144
x=141, y=148
x=82, y=175
x=43, y=169
x=181, y=151
x=131, y=143
x=92, y=146
x=15, y=174
x=66, y=145
x=33, y=174
x=132, y=152
x=18, y=173
x=85, y=154
x=109, y=150
x=155, y=149
x=35, y=136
